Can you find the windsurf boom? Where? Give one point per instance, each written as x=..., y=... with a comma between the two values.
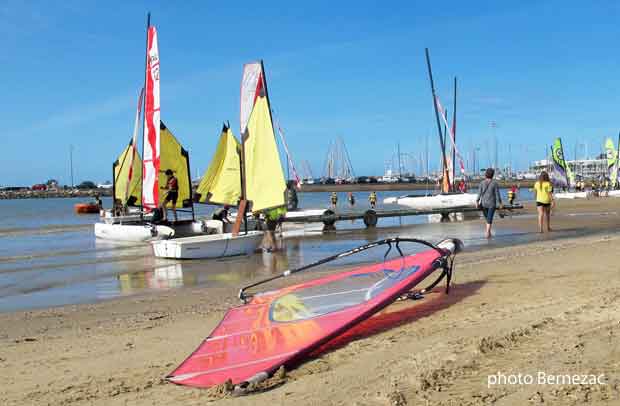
x=281, y=327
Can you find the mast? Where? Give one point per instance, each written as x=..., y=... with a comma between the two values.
x=71, y=163
x=441, y=141
x=400, y=175
x=454, y=140
x=146, y=62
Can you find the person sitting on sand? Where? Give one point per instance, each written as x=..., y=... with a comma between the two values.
x=172, y=186
x=544, y=200
x=489, y=198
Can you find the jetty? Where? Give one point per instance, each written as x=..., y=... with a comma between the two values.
x=372, y=216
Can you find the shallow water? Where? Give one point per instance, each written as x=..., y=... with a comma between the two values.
x=49, y=256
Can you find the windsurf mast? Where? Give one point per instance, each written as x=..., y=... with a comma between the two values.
x=243, y=296
x=441, y=141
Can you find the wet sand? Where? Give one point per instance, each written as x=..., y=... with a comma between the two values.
x=550, y=306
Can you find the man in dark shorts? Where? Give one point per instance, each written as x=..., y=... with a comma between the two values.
x=172, y=186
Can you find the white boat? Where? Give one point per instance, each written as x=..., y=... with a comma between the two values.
x=573, y=195
x=133, y=232
x=439, y=201
x=613, y=193
x=208, y=246
x=259, y=170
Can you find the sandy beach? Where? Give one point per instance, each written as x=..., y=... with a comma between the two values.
x=551, y=307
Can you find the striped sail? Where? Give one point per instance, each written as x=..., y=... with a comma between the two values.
x=560, y=177
x=150, y=183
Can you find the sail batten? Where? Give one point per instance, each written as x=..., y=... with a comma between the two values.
x=151, y=162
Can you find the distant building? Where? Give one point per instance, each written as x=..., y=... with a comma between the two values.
x=586, y=168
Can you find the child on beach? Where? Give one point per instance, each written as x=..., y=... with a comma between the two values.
x=488, y=199
x=544, y=200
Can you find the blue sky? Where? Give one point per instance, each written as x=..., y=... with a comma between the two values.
x=71, y=71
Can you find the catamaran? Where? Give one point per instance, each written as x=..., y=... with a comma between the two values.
x=138, y=182
x=448, y=198
x=247, y=173
x=562, y=175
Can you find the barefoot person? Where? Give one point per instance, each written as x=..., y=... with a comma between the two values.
x=172, y=186
x=544, y=200
x=489, y=199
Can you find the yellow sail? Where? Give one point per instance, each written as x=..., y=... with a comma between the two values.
x=174, y=157
x=264, y=178
x=221, y=183
x=132, y=195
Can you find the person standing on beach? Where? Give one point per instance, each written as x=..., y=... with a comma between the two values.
x=489, y=198
x=544, y=200
x=172, y=186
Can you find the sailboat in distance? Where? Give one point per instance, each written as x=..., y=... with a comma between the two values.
x=449, y=198
x=260, y=180
x=561, y=174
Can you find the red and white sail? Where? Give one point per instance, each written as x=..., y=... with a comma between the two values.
x=150, y=170
x=134, y=141
x=252, y=82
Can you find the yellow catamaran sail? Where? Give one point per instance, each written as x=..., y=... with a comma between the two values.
x=221, y=183
x=264, y=178
x=174, y=157
x=128, y=189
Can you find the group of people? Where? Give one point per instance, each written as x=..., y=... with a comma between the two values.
x=372, y=199
x=489, y=200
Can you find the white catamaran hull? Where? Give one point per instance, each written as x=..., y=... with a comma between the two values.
x=572, y=195
x=208, y=246
x=441, y=201
x=132, y=232
x=613, y=193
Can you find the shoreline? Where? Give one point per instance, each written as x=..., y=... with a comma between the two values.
x=483, y=324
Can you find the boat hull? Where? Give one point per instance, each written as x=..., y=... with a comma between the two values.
x=572, y=195
x=441, y=201
x=132, y=232
x=208, y=246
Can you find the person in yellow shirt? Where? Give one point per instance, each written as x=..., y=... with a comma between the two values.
x=544, y=200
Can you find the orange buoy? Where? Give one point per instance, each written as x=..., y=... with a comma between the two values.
x=86, y=208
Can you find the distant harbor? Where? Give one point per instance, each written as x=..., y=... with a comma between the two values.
x=363, y=187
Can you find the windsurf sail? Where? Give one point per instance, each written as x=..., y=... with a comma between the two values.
x=176, y=158
x=127, y=177
x=281, y=327
x=221, y=183
x=560, y=178
x=151, y=142
x=610, y=152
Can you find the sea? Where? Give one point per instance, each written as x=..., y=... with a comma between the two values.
x=49, y=255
